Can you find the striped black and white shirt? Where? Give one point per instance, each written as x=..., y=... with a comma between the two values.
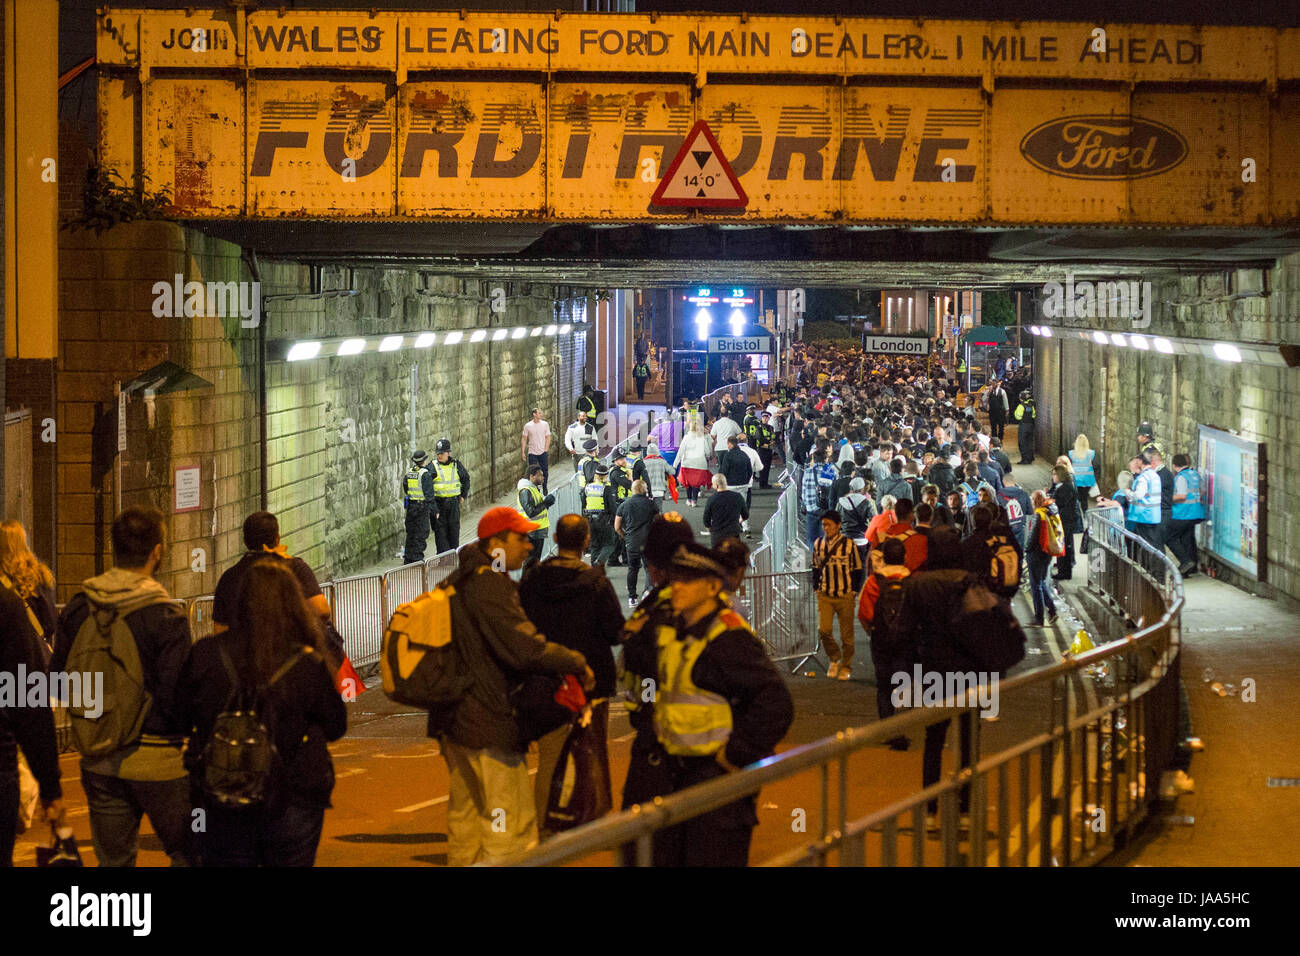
x=834, y=563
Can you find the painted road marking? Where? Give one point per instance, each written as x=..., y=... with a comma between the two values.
x=437, y=800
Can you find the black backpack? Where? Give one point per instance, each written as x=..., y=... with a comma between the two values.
x=884, y=621
x=240, y=761
x=986, y=630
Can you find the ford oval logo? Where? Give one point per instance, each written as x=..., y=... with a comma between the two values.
x=1104, y=147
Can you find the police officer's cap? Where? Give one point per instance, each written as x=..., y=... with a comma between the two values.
x=666, y=532
x=589, y=444
x=1145, y=429
x=419, y=457
x=693, y=561
x=602, y=469
x=444, y=444
x=766, y=415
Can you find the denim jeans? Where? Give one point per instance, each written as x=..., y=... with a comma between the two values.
x=814, y=528
x=116, y=806
x=285, y=836
x=1040, y=587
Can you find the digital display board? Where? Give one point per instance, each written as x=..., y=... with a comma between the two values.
x=1233, y=485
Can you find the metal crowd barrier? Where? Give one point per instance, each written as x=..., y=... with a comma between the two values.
x=1037, y=802
x=782, y=609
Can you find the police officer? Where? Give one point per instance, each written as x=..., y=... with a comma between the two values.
x=599, y=502
x=763, y=440
x=1027, y=417
x=588, y=462
x=588, y=403
x=1147, y=444
x=450, y=489
x=532, y=505
x=417, y=496
x=720, y=705
x=640, y=374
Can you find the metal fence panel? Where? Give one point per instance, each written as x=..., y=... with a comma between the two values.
x=360, y=614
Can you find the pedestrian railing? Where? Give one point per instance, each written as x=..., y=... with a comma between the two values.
x=1067, y=794
x=781, y=607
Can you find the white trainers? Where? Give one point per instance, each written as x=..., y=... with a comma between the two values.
x=834, y=670
x=846, y=672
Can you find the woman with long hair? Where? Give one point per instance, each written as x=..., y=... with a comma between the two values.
x=1062, y=491
x=32, y=580
x=1080, y=461
x=273, y=663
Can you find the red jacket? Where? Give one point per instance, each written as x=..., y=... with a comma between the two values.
x=871, y=592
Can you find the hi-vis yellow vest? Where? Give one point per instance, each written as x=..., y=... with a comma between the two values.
x=689, y=721
x=543, y=518
x=594, y=497
x=446, y=480
x=414, y=486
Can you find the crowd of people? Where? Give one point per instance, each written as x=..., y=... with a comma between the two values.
x=909, y=502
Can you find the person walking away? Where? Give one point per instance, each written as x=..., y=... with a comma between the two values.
x=721, y=705
x=856, y=513
x=1026, y=418
x=1016, y=505
x=575, y=439
x=262, y=541
x=274, y=659
x=997, y=454
x=810, y=504
x=1085, y=476
x=724, y=512
x=599, y=503
x=490, y=814
x=640, y=375
x=29, y=577
x=417, y=499
x=835, y=565
x=1037, y=558
x=1188, y=511
x=1063, y=492
x=692, y=463
x=999, y=406
x=658, y=473
x=533, y=506
x=991, y=553
x=536, y=448
x=21, y=726
x=735, y=466
x=931, y=602
x=130, y=766
x=450, y=491
x=576, y=604
x=632, y=523
x=878, y=607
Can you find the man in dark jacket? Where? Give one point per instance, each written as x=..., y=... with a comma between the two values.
x=724, y=511
x=565, y=597
x=145, y=776
x=491, y=815
x=735, y=466
x=32, y=728
x=632, y=523
x=931, y=601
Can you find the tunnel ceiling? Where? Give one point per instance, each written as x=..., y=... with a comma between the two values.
x=648, y=256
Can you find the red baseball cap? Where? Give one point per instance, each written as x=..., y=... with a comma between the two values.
x=504, y=518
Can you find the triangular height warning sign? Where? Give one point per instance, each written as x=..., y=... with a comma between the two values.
x=700, y=175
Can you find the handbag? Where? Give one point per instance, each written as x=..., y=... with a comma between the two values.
x=579, y=787
x=546, y=702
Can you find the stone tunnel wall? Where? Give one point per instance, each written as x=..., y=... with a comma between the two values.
x=1107, y=391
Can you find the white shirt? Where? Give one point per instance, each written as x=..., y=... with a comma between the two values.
x=754, y=460
x=723, y=429
x=576, y=434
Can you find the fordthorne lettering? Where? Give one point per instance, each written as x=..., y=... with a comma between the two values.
x=74, y=909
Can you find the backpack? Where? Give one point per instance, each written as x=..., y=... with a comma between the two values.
x=241, y=762
x=986, y=630
x=418, y=662
x=105, y=645
x=884, y=620
x=1051, y=535
x=1004, y=570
